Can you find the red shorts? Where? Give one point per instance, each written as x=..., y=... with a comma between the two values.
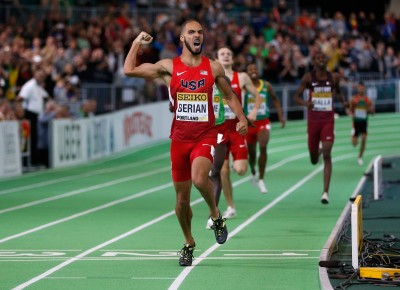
x=237, y=146
x=222, y=133
x=319, y=131
x=183, y=154
x=260, y=125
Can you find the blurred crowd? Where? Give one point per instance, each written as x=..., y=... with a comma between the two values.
x=70, y=51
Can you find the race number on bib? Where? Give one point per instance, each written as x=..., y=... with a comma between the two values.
x=262, y=110
x=360, y=113
x=216, y=105
x=192, y=107
x=229, y=115
x=322, y=101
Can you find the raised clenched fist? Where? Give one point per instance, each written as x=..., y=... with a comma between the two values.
x=144, y=38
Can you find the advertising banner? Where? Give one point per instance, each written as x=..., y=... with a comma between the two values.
x=68, y=142
x=77, y=141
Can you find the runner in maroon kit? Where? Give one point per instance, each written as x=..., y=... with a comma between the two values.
x=322, y=86
x=190, y=78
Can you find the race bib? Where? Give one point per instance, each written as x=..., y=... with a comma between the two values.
x=216, y=105
x=360, y=113
x=192, y=107
x=262, y=110
x=322, y=101
x=229, y=115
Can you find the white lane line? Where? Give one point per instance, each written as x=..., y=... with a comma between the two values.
x=133, y=278
x=66, y=277
x=79, y=176
x=152, y=278
x=266, y=255
x=98, y=247
x=74, y=216
x=269, y=250
x=31, y=250
x=112, y=255
x=182, y=276
x=90, y=188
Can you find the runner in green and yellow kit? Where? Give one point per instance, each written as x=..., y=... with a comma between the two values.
x=261, y=131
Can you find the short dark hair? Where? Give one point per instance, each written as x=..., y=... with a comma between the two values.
x=188, y=21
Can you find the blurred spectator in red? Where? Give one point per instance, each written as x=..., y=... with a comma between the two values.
x=122, y=19
x=305, y=20
x=25, y=127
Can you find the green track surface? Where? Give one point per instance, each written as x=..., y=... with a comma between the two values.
x=110, y=224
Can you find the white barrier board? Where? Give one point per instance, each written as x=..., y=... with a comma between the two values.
x=10, y=149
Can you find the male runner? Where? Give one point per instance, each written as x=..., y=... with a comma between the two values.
x=236, y=144
x=261, y=131
x=190, y=78
x=220, y=149
x=322, y=86
x=360, y=107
